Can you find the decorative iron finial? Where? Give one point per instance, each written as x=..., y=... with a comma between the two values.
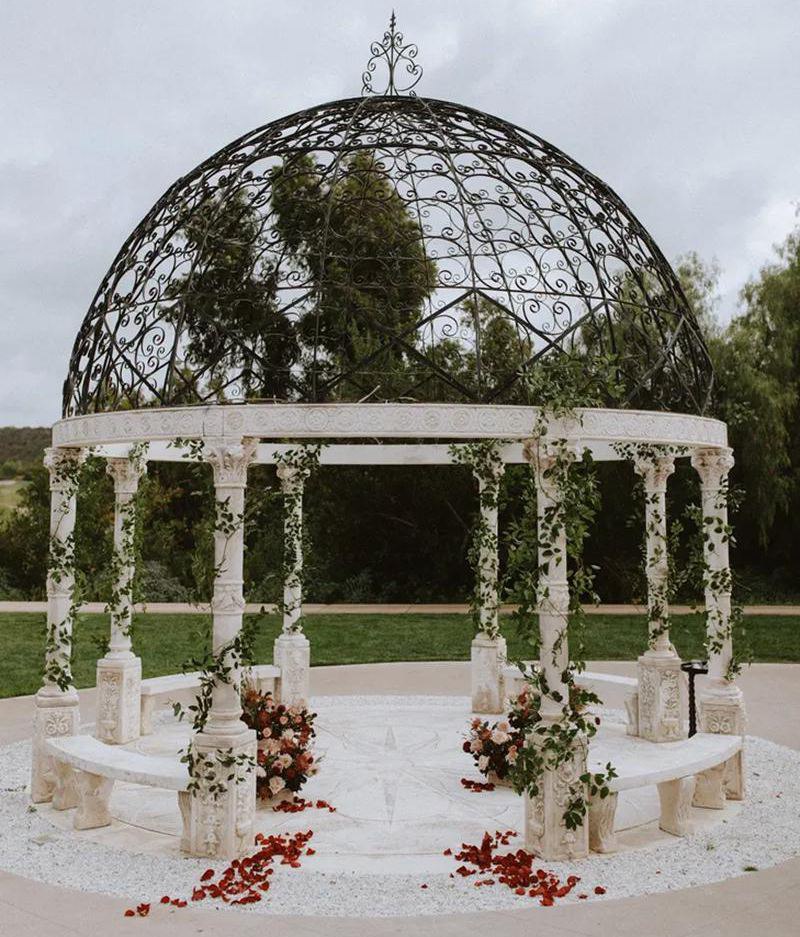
x=400, y=61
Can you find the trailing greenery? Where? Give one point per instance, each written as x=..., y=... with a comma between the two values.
x=298, y=463
x=486, y=464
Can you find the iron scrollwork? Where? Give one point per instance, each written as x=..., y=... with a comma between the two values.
x=384, y=248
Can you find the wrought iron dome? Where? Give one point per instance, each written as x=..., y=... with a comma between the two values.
x=386, y=247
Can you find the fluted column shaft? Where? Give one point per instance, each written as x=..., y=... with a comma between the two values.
x=553, y=587
x=488, y=561
x=713, y=466
x=57, y=710
x=229, y=463
x=292, y=481
x=655, y=470
x=126, y=474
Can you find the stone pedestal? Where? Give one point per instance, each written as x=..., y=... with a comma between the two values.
x=722, y=711
x=660, y=709
x=57, y=714
x=292, y=653
x=488, y=658
x=219, y=814
x=118, y=699
x=546, y=833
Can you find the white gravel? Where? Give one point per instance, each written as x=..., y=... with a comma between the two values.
x=764, y=833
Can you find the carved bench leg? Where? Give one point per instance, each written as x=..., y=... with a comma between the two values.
x=632, y=708
x=148, y=705
x=94, y=793
x=733, y=781
x=602, y=811
x=709, y=790
x=676, y=801
x=65, y=792
x=185, y=807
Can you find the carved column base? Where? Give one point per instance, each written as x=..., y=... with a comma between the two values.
x=57, y=714
x=722, y=711
x=119, y=686
x=218, y=816
x=546, y=833
x=660, y=710
x=488, y=658
x=292, y=653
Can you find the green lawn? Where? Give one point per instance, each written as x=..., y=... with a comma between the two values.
x=9, y=493
x=165, y=642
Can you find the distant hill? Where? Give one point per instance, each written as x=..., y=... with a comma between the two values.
x=21, y=447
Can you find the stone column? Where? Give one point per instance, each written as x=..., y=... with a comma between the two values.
x=488, y=654
x=119, y=673
x=221, y=808
x=659, y=668
x=720, y=702
x=57, y=710
x=546, y=833
x=291, y=650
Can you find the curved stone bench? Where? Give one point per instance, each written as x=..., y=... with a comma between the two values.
x=265, y=676
x=686, y=772
x=85, y=770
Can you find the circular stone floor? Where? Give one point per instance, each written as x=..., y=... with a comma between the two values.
x=392, y=766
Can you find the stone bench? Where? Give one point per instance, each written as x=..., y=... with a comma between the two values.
x=589, y=679
x=265, y=676
x=686, y=772
x=85, y=769
x=513, y=680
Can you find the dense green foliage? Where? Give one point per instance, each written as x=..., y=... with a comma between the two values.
x=167, y=642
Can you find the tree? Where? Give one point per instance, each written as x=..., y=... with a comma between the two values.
x=235, y=335
x=360, y=248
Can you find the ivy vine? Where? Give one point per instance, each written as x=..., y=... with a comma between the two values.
x=301, y=461
x=487, y=466
x=65, y=474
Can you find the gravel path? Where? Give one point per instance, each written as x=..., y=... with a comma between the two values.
x=764, y=833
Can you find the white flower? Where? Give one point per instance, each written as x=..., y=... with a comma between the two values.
x=288, y=735
x=276, y=784
x=475, y=745
x=284, y=760
x=499, y=737
x=483, y=763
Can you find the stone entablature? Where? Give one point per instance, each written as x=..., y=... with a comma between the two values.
x=416, y=421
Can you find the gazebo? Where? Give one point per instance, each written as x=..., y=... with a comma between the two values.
x=333, y=287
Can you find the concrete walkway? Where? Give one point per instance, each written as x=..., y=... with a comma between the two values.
x=184, y=608
x=765, y=902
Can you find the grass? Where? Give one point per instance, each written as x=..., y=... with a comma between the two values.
x=9, y=494
x=166, y=642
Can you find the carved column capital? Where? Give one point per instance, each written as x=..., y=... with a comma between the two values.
x=61, y=462
x=543, y=454
x=713, y=466
x=229, y=461
x=126, y=474
x=291, y=477
x=654, y=470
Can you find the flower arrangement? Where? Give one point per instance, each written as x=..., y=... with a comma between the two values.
x=284, y=735
x=494, y=748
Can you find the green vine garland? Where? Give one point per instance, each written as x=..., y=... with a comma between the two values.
x=487, y=466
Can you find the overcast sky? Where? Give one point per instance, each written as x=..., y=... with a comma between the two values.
x=688, y=108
